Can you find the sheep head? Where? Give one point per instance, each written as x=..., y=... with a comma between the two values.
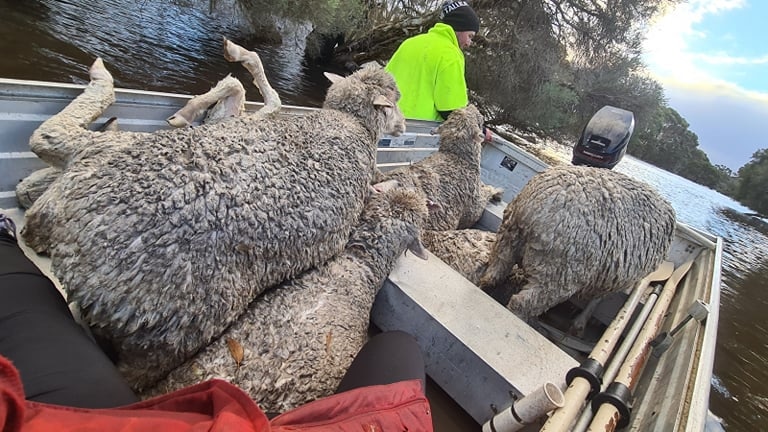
x=462, y=132
x=370, y=95
x=400, y=205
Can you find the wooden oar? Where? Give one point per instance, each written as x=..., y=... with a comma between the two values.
x=583, y=382
x=621, y=353
x=608, y=416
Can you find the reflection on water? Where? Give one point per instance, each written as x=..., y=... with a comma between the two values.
x=175, y=46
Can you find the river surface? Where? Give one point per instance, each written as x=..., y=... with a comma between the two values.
x=175, y=46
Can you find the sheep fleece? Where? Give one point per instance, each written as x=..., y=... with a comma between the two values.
x=451, y=176
x=165, y=241
x=579, y=231
x=467, y=251
x=299, y=340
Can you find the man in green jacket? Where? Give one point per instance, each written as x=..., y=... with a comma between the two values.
x=429, y=68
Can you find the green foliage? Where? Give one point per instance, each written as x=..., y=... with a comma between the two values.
x=753, y=182
x=518, y=70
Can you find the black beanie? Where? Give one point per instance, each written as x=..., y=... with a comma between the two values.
x=460, y=16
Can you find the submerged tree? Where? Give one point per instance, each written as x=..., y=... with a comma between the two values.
x=328, y=18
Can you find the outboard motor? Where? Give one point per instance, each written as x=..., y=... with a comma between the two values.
x=605, y=138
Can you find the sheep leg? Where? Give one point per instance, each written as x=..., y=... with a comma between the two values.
x=59, y=137
x=228, y=96
x=30, y=189
x=534, y=299
x=580, y=322
x=504, y=255
x=252, y=62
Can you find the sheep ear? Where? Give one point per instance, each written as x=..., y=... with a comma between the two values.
x=332, y=77
x=381, y=100
x=418, y=249
x=433, y=206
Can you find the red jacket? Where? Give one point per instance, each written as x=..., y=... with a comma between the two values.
x=219, y=406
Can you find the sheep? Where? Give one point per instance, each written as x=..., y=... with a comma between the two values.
x=578, y=232
x=451, y=176
x=164, y=238
x=467, y=250
x=294, y=343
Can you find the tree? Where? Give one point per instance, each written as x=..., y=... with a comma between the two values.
x=518, y=72
x=753, y=182
x=540, y=65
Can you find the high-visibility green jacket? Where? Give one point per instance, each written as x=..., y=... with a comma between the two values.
x=429, y=71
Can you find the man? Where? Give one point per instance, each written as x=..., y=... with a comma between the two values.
x=429, y=68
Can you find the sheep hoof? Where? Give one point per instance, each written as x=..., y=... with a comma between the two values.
x=177, y=121
x=109, y=126
x=232, y=51
x=418, y=249
x=98, y=72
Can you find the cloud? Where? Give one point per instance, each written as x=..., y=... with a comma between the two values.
x=666, y=47
x=728, y=118
x=730, y=125
x=725, y=59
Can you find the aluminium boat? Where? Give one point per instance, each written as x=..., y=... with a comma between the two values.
x=480, y=355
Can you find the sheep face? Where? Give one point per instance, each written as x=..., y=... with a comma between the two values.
x=406, y=206
x=463, y=126
x=369, y=94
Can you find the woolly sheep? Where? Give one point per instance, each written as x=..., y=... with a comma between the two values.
x=578, y=231
x=299, y=339
x=163, y=239
x=451, y=176
x=467, y=250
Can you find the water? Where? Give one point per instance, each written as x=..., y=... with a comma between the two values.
x=740, y=384
x=175, y=46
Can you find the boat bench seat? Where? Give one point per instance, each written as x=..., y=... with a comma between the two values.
x=475, y=349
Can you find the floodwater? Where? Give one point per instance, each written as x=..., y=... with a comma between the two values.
x=175, y=46
x=169, y=45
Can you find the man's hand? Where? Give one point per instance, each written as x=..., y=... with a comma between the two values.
x=488, y=134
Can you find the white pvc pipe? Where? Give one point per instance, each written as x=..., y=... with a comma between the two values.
x=526, y=410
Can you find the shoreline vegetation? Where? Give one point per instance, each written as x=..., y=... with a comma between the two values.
x=538, y=67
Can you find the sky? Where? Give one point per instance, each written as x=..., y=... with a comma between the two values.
x=711, y=56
